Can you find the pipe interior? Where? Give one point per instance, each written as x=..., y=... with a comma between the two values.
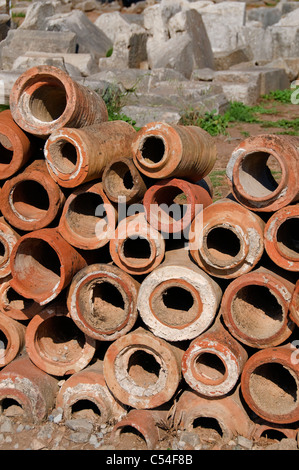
x=273, y=434
x=259, y=174
x=210, y=367
x=37, y=266
x=204, y=425
x=174, y=306
x=129, y=435
x=256, y=312
x=152, y=150
x=64, y=156
x=223, y=244
x=83, y=214
x=2, y=252
x=30, y=199
x=171, y=202
x=103, y=305
x=136, y=248
x=6, y=151
x=3, y=344
x=85, y=409
x=143, y=368
x=288, y=237
x=59, y=339
x=48, y=102
x=119, y=179
x=11, y=407
x=273, y=388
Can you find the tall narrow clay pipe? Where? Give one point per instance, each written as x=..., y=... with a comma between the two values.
x=136, y=246
x=33, y=389
x=178, y=300
x=16, y=147
x=250, y=172
x=45, y=98
x=88, y=218
x=294, y=306
x=31, y=200
x=255, y=308
x=282, y=237
x=76, y=156
x=102, y=301
x=142, y=370
x=43, y=264
x=161, y=150
x=226, y=239
x=269, y=384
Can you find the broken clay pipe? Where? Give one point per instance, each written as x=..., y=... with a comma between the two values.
x=252, y=181
x=255, y=308
x=8, y=239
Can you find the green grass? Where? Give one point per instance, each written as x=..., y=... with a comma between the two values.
x=114, y=99
x=218, y=179
x=237, y=112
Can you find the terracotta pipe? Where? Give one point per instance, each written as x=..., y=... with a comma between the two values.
x=8, y=239
x=88, y=385
x=121, y=179
x=45, y=98
x=282, y=238
x=162, y=150
x=142, y=370
x=269, y=384
x=76, y=156
x=249, y=170
x=226, y=239
x=14, y=305
x=88, y=218
x=32, y=389
x=55, y=344
x=15, y=146
x=294, y=305
x=213, y=362
x=224, y=414
x=12, y=339
x=171, y=205
x=31, y=200
x=178, y=300
x=255, y=308
x=102, y=301
x=137, y=247
x=144, y=422
x=273, y=431
x=43, y=264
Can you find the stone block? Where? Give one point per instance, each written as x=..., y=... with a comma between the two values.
x=20, y=41
x=267, y=16
x=225, y=59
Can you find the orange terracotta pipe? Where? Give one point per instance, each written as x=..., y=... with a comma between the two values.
x=44, y=99
x=8, y=239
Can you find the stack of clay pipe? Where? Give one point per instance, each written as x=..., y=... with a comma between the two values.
x=108, y=300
